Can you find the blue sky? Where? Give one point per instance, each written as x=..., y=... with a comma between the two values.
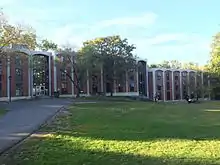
x=161, y=30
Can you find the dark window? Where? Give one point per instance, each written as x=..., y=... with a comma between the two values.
x=18, y=72
x=63, y=76
x=168, y=76
x=19, y=89
x=131, y=87
x=176, y=77
x=18, y=75
x=132, y=78
x=184, y=74
x=64, y=88
x=177, y=96
x=159, y=87
x=177, y=87
x=17, y=60
x=159, y=75
x=168, y=96
x=168, y=85
x=120, y=88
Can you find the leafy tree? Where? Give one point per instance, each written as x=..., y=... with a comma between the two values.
x=175, y=64
x=47, y=45
x=12, y=35
x=214, y=63
x=114, y=57
x=66, y=61
x=154, y=66
x=165, y=64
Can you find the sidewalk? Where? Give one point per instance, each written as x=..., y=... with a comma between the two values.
x=24, y=117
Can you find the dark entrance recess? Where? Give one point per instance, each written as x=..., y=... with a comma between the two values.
x=142, y=78
x=41, y=72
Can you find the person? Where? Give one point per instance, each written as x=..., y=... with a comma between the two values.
x=156, y=97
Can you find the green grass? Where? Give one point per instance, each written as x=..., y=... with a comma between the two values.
x=134, y=133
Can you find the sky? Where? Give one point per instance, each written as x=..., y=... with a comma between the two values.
x=160, y=29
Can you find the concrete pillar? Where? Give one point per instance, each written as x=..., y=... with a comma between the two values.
x=30, y=67
x=181, y=86
x=154, y=83
x=164, y=86
x=8, y=74
x=172, y=80
x=188, y=83
x=50, y=74
x=195, y=80
x=55, y=73
x=147, y=84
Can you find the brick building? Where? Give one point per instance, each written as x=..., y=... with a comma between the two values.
x=21, y=77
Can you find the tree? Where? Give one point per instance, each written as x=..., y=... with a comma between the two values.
x=214, y=63
x=66, y=61
x=47, y=45
x=12, y=36
x=165, y=64
x=175, y=64
x=113, y=57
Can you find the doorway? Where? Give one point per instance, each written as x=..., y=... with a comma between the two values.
x=40, y=90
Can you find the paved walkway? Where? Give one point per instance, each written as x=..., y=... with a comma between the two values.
x=24, y=117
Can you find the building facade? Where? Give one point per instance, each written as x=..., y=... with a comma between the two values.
x=32, y=73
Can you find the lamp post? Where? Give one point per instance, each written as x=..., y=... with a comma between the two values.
x=9, y=78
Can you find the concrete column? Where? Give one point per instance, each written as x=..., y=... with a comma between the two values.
x=126, y=81
x=181, y=86
x=164, y=86
x=102, y=80
x=147, y=84
x=50, y=74
x=87, y=82
x=29, y=75
x=188, y=83
x=55, y=73
x=195, y=80
x=172, y=80
x=8, y=74
x=154, y=83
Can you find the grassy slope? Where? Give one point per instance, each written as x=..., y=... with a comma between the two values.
x=127, y=133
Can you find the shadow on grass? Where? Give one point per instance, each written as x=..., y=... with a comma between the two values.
x=65, y=150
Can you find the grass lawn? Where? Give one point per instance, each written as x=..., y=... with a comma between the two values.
x=129, y=133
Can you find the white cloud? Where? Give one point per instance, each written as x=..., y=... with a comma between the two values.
x=75, y=34
x=140, y=20
x=191, y=48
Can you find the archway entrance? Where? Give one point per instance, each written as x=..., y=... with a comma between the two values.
x=40, y=75
x=142, y=78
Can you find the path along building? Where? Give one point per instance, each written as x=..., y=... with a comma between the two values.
x=18, y=79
